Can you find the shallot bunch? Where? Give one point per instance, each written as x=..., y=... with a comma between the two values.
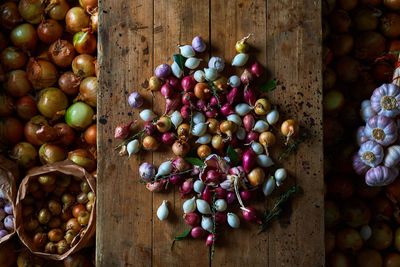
x=227, y=121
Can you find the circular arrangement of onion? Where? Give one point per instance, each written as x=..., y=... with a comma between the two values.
x=221, y=130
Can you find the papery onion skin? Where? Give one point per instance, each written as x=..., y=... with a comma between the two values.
x=62, y=53
x=49, y=31
x=13, y=58
x=41, y=73
x=76, y=19
x=51, y=101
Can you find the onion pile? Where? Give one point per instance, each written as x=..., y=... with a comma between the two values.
x=221, y=131
x=7, y=221
x=56, y=209
x=47, y=73
x=360, y=52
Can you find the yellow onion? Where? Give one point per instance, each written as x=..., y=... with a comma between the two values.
x=83, y=158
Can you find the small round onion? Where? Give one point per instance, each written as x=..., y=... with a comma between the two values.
x=26, y=107
x=88, y=91
x=62, y=53
x=57, y=9
x=79, y=115
x=41, y=73
x=49, y=153
x=31, y=10
x=76, y=19
x=9, y=15
x=17, y=83
x=24, y=36
x=49, y=31
x=69, y=83
x=51, y=101
x=13, y=58
x=84, y=66
x=85, y=42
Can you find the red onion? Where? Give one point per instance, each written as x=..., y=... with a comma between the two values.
x=220, y=192
x=135, y=100
x=227, y=109
x=230, y=197
x=201, y=104
x=186, y=187
x=233, y=96
x=174, y=82
x=246, y=77
x=220, y=217
x=162, y=71
x=188, y=83
x=149, y=128
x=234, y=142
x=249, y=96
x=168, y=138
x=180, y=164
x=172, y=103
x=175, y=179
x=251, y=136
x=246, y=195
x=213, y=176
x=206, y=194
x=257, y=69
x=188, y=98
x=210, y=240
x=248, y=122
x=250, y=215
x=166, y=90
x=185, y=111
x=211, y=113
x=197, y=232
x=192, y=219
x=248, y=160
x=122, y=131
x=213, y=101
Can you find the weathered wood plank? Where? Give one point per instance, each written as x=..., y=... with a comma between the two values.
x=175, y=22
x=125, y=206
x=136, y=36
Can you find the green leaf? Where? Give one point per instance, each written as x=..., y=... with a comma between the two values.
x=180, y=60
x=195, y=161
x=269, y=86
x=233, y=156
x=183, y=235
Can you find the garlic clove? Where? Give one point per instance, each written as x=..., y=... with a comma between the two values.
x=199, y=76
x=234, y=81
x=273, y=117
x=235, y=118
x=203, y=207
x=198, y=186
x=198, y=117
x=204, y=140
x=199, y=129
x=264, y=161
x=187, y=51
x=164, y=169
x=176, y=118
x=207, y=223
x=242, y=109
x=233, y=220
x=176, y=70
x=261, y=126
x=162, y=211
x=133, y=147
x=189, y=205
x=280, y=175
x=240, y=60
x=192, y=63
x=257, y=148
x=147, y=115
x=211, y=74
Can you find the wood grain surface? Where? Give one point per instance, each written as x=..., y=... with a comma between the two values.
x=135, y=36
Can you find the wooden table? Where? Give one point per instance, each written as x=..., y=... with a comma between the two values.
x=137, y=35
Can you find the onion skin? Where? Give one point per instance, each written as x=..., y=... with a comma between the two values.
x=49, y=153
x=83, y=158
x=31, y=127
x=62, y=53
x=51, y=101
x=90, y=135
x=17, y=83
x=79, y=115
x=41, y=73
x=31, y=10
x=24, y=36
x=85, y=42
x=248, y=160
x=84, y=66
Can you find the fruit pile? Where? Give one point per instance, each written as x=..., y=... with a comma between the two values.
x=48, y=80
x=221, y=130
x=361, y=44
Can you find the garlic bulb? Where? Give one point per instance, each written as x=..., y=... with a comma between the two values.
x=189, y=205
x=392, y=157
x=162, y=211
x=381, y=176
x=381, y=129
x=240, y=60
x=385, y=100
x=371, y=153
